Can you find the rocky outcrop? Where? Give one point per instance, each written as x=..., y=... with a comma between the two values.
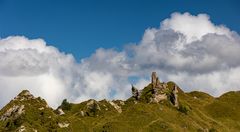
x=156, y=92
x=63, y=125
x=175, y=96
x=158, y=88
x=92, y=108
x=13, y=112
x=92, y=104
x=158, y=97
x=118, y=108
x=156, y=84
x=60, y=111
x=154, y=79
x=24, y=95
x=135, y=93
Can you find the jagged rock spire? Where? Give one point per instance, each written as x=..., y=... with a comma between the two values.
x=155, y=80
x=154, y=77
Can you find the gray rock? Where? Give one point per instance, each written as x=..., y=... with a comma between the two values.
x=154, y=79
x=13, y=112
x=60, y=111
x=175, y=91
x=135, y=93
x=118, y=108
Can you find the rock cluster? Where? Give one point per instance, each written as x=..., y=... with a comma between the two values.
x=160, y=91
x=13, y=112
x=24, y=95
x=93, y=104
x=92, y=108
x=156, y=84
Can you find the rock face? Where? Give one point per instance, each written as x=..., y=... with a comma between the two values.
x=92, y=104
x=158, y=90
x=118, y=108
x=13, y=112
x=154, y=79
x=175, y=99
x=92, y=108
x=158, y=97
x=135, y=93
x=24, y=95
x=156, y=82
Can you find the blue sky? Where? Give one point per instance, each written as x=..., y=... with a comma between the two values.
x=80, y=27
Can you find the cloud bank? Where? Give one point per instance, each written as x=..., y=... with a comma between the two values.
x=187, y=49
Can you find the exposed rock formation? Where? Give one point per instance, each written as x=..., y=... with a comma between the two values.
x=174, y=97
x=63, y=125
x=24, y=95
x=156, y=84
x=135, y=93
x=156, y=92
x=118, y=108
x=13, y=112
x=158, y=97
x=158, y=88
x=92, y=108
x=93, y=104
x=60, y=111
x=154, y=79
x=175, y=91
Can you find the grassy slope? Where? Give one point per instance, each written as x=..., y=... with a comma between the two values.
x=203, y=112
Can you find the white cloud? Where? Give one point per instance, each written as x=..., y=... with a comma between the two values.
x=193, y=27
x=187, y=49
x=192, y=51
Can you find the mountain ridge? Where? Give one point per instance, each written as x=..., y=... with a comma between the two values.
x=157, y=107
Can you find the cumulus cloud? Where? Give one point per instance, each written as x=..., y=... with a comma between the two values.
x=187, y=49
x=193, y=27
x=53, y=75
x=193, y=52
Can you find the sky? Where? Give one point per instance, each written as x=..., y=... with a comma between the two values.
x=80, y=27
x=97, y=49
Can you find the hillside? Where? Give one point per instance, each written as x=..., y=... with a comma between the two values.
x=157, y=107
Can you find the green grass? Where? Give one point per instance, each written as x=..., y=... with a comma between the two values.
x=197, y=112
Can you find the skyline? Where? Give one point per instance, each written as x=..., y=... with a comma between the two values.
x=196, y=49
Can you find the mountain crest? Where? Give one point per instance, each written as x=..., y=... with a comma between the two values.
x=24, y=95
x=156, y=107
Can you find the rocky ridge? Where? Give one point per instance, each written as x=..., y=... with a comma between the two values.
x=159, y=106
